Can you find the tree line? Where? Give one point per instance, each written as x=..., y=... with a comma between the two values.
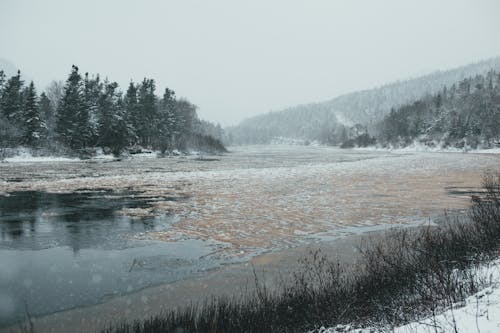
x=88, y=112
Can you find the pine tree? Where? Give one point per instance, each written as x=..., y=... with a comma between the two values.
x=11, y=102
x=147, y=125
x=12, y=99
x=72, y=115
x=119, y=129
x=92, y=91
x=167, y=121
x=2, y=81
x=107, y=106
x=34, y=126
x=132, y=112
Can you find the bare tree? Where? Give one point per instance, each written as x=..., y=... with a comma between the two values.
x=54, y=92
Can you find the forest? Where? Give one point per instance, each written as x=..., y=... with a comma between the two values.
x=358, y=118
x=463, y=115
x=87, y=112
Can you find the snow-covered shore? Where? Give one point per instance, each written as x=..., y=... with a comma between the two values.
x=478, y=313
x=416, y=148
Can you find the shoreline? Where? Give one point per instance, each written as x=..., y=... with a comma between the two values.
x=238, y=280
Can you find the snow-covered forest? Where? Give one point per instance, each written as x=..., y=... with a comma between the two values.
x=87, y=112
x=466, y=114
x=337, y=120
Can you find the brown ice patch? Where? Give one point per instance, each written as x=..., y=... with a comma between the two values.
x=265, y=213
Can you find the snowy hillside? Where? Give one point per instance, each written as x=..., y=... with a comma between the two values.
x=317, y=121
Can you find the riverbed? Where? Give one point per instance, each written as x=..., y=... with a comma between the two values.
x=78, y=234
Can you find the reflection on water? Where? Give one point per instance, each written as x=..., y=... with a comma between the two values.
x=63, y=250
x=37, y=220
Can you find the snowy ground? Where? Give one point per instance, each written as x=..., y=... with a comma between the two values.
x=478, y=313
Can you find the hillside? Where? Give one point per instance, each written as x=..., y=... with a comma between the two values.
x=304, y=122
x=325, y=121
x=463, y=115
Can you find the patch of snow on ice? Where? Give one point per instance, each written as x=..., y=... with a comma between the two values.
x=25, y=156
x=101, y=156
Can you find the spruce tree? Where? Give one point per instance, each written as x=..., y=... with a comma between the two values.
x=12, y=99
x=107, y=106
x=72, y=116
x=11, y=103
x=2, y=81
x=92, y=91
x=34, y=126
x=132, y=115
x=119, y=129
x=147, y=120
x=167, y=122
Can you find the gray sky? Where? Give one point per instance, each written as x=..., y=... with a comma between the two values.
x=235, y=59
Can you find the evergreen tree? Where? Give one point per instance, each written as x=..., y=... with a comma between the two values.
x=2, y=81
x=108, y=107
x=11, y=103
x=167, y=121
x=12, y=99
x=34, y=126
x=132, y=115
x=119, y=130
x=113, y=129
x=147, y=120
x=92, y=91
x=72, y=115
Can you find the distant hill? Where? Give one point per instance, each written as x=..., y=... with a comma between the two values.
x=323, y=121
x=304, y=122
x=8, y=67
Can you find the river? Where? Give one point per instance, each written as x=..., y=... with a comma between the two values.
x=76, y=234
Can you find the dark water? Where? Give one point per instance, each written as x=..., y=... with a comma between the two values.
x=63, y=250
x=38, y=220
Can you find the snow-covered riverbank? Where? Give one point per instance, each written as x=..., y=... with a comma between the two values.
x=478, y=313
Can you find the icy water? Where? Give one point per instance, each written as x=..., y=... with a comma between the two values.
x=78, y=233
x=63, y=250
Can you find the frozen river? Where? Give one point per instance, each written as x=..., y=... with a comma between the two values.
x=82, y=232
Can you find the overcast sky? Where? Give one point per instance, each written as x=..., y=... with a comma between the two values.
x=235, y=59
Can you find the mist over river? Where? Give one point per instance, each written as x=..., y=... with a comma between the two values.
x=78, y=233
